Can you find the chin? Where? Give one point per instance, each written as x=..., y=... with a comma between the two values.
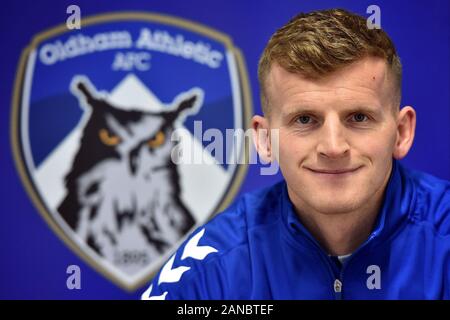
x=337, y=209
x=336, y=204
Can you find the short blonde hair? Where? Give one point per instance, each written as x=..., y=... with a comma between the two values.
x=317, y=43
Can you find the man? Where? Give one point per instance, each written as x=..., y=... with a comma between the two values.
x=348, y=222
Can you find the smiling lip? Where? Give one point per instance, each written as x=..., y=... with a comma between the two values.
x=333, y=171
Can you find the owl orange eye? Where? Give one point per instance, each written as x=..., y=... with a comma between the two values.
x=157, y=140
x=107, y=138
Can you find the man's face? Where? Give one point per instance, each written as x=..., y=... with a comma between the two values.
x=336, y=134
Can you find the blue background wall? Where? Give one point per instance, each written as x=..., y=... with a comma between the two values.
x=33, y=260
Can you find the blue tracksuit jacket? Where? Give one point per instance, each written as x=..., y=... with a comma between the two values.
x=258, y=249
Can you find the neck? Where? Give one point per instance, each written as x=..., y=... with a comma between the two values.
x=340, y=233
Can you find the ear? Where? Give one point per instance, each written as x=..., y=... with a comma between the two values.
x=406, y=127
x=187, y=103
x=83, y=89
x=261, y=138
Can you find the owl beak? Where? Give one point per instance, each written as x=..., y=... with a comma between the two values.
x=133, y=161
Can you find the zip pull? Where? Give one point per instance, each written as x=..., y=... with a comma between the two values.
x=337, y=286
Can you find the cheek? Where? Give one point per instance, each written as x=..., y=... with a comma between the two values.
x=293, y=150
x=378, y=146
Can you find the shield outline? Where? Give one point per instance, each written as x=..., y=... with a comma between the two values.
x=238, y=175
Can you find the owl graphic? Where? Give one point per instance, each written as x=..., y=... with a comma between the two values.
x=123, y=190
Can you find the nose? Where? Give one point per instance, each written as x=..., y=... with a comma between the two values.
x=333, y=143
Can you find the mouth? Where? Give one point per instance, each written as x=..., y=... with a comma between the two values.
x=334, y=172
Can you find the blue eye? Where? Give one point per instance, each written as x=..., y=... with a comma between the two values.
x=359, y=117
x=304, y=119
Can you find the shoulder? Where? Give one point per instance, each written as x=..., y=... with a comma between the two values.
x=215, y=254
x=432, y=199
x=228, y=229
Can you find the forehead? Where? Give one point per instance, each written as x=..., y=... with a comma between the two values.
x=366, y=81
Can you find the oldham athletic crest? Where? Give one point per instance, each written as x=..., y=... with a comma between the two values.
x=107, y=131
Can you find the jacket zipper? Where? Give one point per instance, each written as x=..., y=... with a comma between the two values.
x=337, y=289
x=338, y=284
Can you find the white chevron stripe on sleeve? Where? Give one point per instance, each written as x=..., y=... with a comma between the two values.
x=193, y=250
x=169, y=274
x=147, y=295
